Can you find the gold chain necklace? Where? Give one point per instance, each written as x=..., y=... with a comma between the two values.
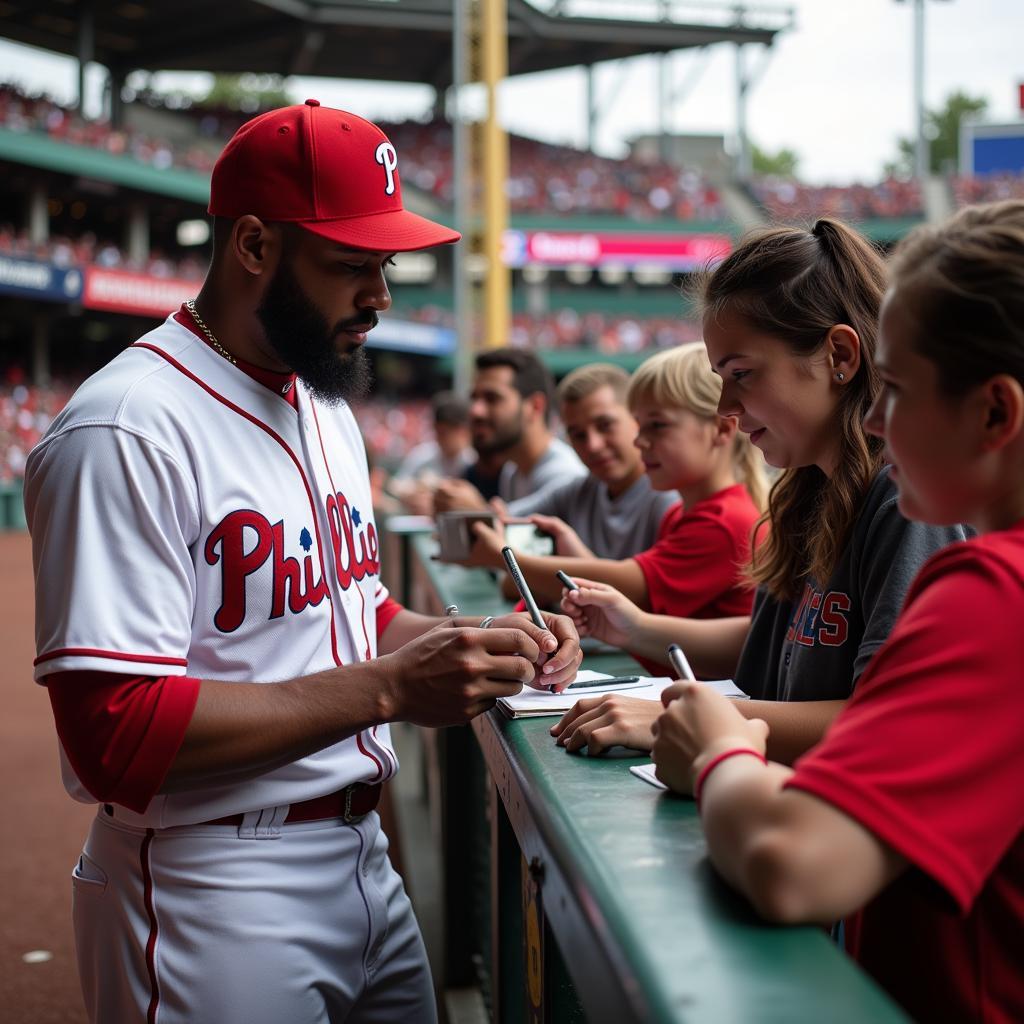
x=190, y=305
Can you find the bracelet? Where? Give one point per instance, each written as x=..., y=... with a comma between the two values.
x=715, y=762
x=485, y=621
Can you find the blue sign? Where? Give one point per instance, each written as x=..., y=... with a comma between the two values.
x=38, y=280
x=409, y=336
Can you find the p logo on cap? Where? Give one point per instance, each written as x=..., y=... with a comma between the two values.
x=388, y=159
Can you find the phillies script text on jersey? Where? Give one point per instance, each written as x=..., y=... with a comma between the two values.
x=293, y=584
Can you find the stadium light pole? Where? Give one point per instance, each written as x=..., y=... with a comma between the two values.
x=921, y=145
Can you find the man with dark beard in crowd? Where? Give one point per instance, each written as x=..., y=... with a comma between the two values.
x=510, y=416
x=221, y=657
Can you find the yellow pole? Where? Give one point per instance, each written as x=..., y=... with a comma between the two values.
x=495, y=168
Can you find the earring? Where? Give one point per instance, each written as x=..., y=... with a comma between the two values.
x=840, y=376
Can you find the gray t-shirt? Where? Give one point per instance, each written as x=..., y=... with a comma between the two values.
x=611, y=527
x=817, y=647
x=524, y=491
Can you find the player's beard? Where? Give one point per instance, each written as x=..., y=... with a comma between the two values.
x=303, y=340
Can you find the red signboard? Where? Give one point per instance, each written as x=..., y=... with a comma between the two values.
x=630, y=250
x=123, y=292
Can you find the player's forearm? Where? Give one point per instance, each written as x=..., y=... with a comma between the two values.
x=405, y=626
x=241, y=730
x=794, y=726
x=712, y=646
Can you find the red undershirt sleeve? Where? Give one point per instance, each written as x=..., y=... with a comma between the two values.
x=386, y=611
x=121, y=733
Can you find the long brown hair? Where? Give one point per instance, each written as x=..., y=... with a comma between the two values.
x=962, y=282
x=797, y=285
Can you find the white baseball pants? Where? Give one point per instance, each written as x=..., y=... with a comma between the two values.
x=216, y=924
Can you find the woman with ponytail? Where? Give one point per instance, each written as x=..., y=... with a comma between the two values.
x=696, y=566
x=907, y=820
x=790, y=324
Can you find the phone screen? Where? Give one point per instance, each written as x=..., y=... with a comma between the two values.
x=527, y=539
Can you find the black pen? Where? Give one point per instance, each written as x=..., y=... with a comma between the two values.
x=524, y=591
x=566, y=580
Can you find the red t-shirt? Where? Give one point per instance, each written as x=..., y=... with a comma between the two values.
x=929, y=755
x=695, y=568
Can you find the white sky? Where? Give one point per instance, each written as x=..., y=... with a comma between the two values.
x=838, y=88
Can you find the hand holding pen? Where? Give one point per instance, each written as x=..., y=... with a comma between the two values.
x=560, y=668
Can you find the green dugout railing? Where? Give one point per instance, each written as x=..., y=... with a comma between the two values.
x=575, y=892
x=12, y=508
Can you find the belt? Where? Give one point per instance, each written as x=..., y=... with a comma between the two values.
x=349, y=803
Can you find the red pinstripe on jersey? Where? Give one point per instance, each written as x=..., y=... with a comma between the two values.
x=362, y=614
x=147, y=899
x=92, y=652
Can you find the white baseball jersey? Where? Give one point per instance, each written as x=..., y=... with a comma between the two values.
x=188, y=520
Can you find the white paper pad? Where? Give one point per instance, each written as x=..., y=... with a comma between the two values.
x=531, y=703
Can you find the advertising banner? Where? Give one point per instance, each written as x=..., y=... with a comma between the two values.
x=606, y=248
x=122, y=292
x=37, y=280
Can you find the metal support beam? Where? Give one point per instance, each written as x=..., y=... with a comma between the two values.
x=743, y=158
x=136, y=233
x=115, y=83
x=921, y=147
x=497, y=284
x=38, y=214
x=86, y=48
x=41, y=350
x=746, y=79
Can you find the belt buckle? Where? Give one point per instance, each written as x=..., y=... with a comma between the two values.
x=347, y=815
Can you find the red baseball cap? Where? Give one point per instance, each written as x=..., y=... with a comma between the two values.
x=332, y=172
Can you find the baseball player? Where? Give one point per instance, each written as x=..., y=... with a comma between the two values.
x=221, y=657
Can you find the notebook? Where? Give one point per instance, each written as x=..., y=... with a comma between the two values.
x=531, y=703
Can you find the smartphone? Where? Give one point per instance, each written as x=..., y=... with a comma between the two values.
x=456, y=535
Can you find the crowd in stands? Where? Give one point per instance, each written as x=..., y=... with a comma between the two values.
x=26, y=410
x=567, y=329
x=545, y=178
x=390, y=428
x=787, y=200
x=27, y=112
x=86, y=249
x=988, y=189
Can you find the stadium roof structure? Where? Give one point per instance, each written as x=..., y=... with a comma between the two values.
x=392, y=40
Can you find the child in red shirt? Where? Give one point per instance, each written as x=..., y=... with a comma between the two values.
x=908, y=818
x=695, y=567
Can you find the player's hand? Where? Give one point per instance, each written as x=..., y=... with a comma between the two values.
x=602, y=611
x=612, y=719
x=567, y=540
x=698, y=723
x=559, y=645
x=451, y=674
x=454, y=494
